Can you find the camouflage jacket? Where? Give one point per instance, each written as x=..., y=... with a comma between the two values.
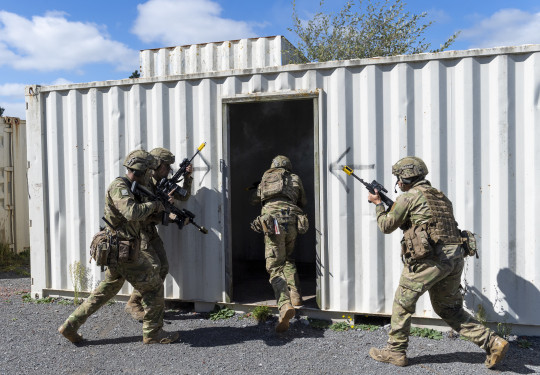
x=280, y=203
x=124, y=211
x=411, y=205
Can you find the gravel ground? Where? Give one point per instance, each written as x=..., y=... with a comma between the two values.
x=32, y=345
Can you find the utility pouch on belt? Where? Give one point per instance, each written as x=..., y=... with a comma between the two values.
x=302, y=223
x=469, y=243
x=128, y=251
x=416, y=244
x=100, y=248
x=263, y=224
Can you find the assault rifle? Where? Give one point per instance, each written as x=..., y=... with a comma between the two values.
x=168, y=186
x=181, y=214
x=371, y=187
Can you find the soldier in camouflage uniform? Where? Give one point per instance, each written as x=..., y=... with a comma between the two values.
x=282, y=196
x=433, y=262
x=125, y=215
x=151, y=243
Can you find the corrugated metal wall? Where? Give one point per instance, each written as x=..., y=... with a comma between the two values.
x=14, y=230
x=210, y=57
x=473, y=116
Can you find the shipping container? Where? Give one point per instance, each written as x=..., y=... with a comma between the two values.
x=473, y=116
x=14, y=232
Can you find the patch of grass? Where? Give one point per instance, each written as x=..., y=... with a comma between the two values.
x=340, y=326
x=224, y=313
x=427, y=333
x=26, y=297
x=261, y=313
x=366, y=327
x=504, y=329
x=481, y=315
x=10, y=261
x=111, y=302
x=523, y=343
x=319, y=323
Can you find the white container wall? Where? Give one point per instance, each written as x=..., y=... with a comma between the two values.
x=210, y=57
x=14, y=230
x=473, y=116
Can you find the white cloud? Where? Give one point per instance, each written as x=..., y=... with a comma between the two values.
x=12, y=89
x=14, y=109
x=51, y=42
x=506, y=27
x=179, y=22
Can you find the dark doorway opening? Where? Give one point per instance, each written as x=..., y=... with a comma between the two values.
x=258, y=132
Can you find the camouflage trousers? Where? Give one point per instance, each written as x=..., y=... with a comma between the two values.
x=153, y=250
x=279, y=249
x=144, y=276
x=440, y=275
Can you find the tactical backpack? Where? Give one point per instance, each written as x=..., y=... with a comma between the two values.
x=277, y=182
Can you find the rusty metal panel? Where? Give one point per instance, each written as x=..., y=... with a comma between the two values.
x=219, y=56
x=473, y=116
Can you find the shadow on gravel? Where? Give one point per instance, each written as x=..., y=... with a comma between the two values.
x=221, y=336
x=513, y=361
x=117, y=340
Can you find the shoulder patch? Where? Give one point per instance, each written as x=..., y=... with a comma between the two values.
x=124, y=192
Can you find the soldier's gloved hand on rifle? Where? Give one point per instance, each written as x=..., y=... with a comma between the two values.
x=189, y=170
x=374, y=198
x=172, y=218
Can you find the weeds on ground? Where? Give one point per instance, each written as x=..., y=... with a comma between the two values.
x=504, y=329
x=481, y=315
x=319, y=324
x=79, y=279
x=10, y=261
x=523, y=343
x=427, y=333
x=261, y=313
x=221, y=313
x=28, y=299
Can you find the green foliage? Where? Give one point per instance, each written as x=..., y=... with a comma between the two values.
x=481, y=315
x=366, y=327
x=504, y=329
x=523, y=343
x=319, y=324
x=135, y=74
x=10, y=261
x=427, y=333
x=79, y=278
x=224, y=313
x=26, y=297
x=358, y=31
x=261, y=313
x=340, y=326
x=1, y=111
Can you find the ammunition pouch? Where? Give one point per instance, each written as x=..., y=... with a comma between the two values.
x=416, y=243
x=469, y=243
x=128, y=250
x=302, y=223
x=101, y=247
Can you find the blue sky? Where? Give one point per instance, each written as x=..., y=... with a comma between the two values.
x=56, y=42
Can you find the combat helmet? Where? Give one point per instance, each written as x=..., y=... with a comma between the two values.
x=409, y=169
x=281, y=161
x=138, y=161
x=163, y=156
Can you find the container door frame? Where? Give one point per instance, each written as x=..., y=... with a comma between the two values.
x=320, y=223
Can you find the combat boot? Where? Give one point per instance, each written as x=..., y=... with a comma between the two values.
x=296, y=298
x=387, y=355
x=69, y=332
x=134, y=308
x=162, y=337
x=496, y=350
x=286, y=313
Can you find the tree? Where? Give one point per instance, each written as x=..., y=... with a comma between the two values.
x=135, y=74
x=1, y=111
x=378, y=29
